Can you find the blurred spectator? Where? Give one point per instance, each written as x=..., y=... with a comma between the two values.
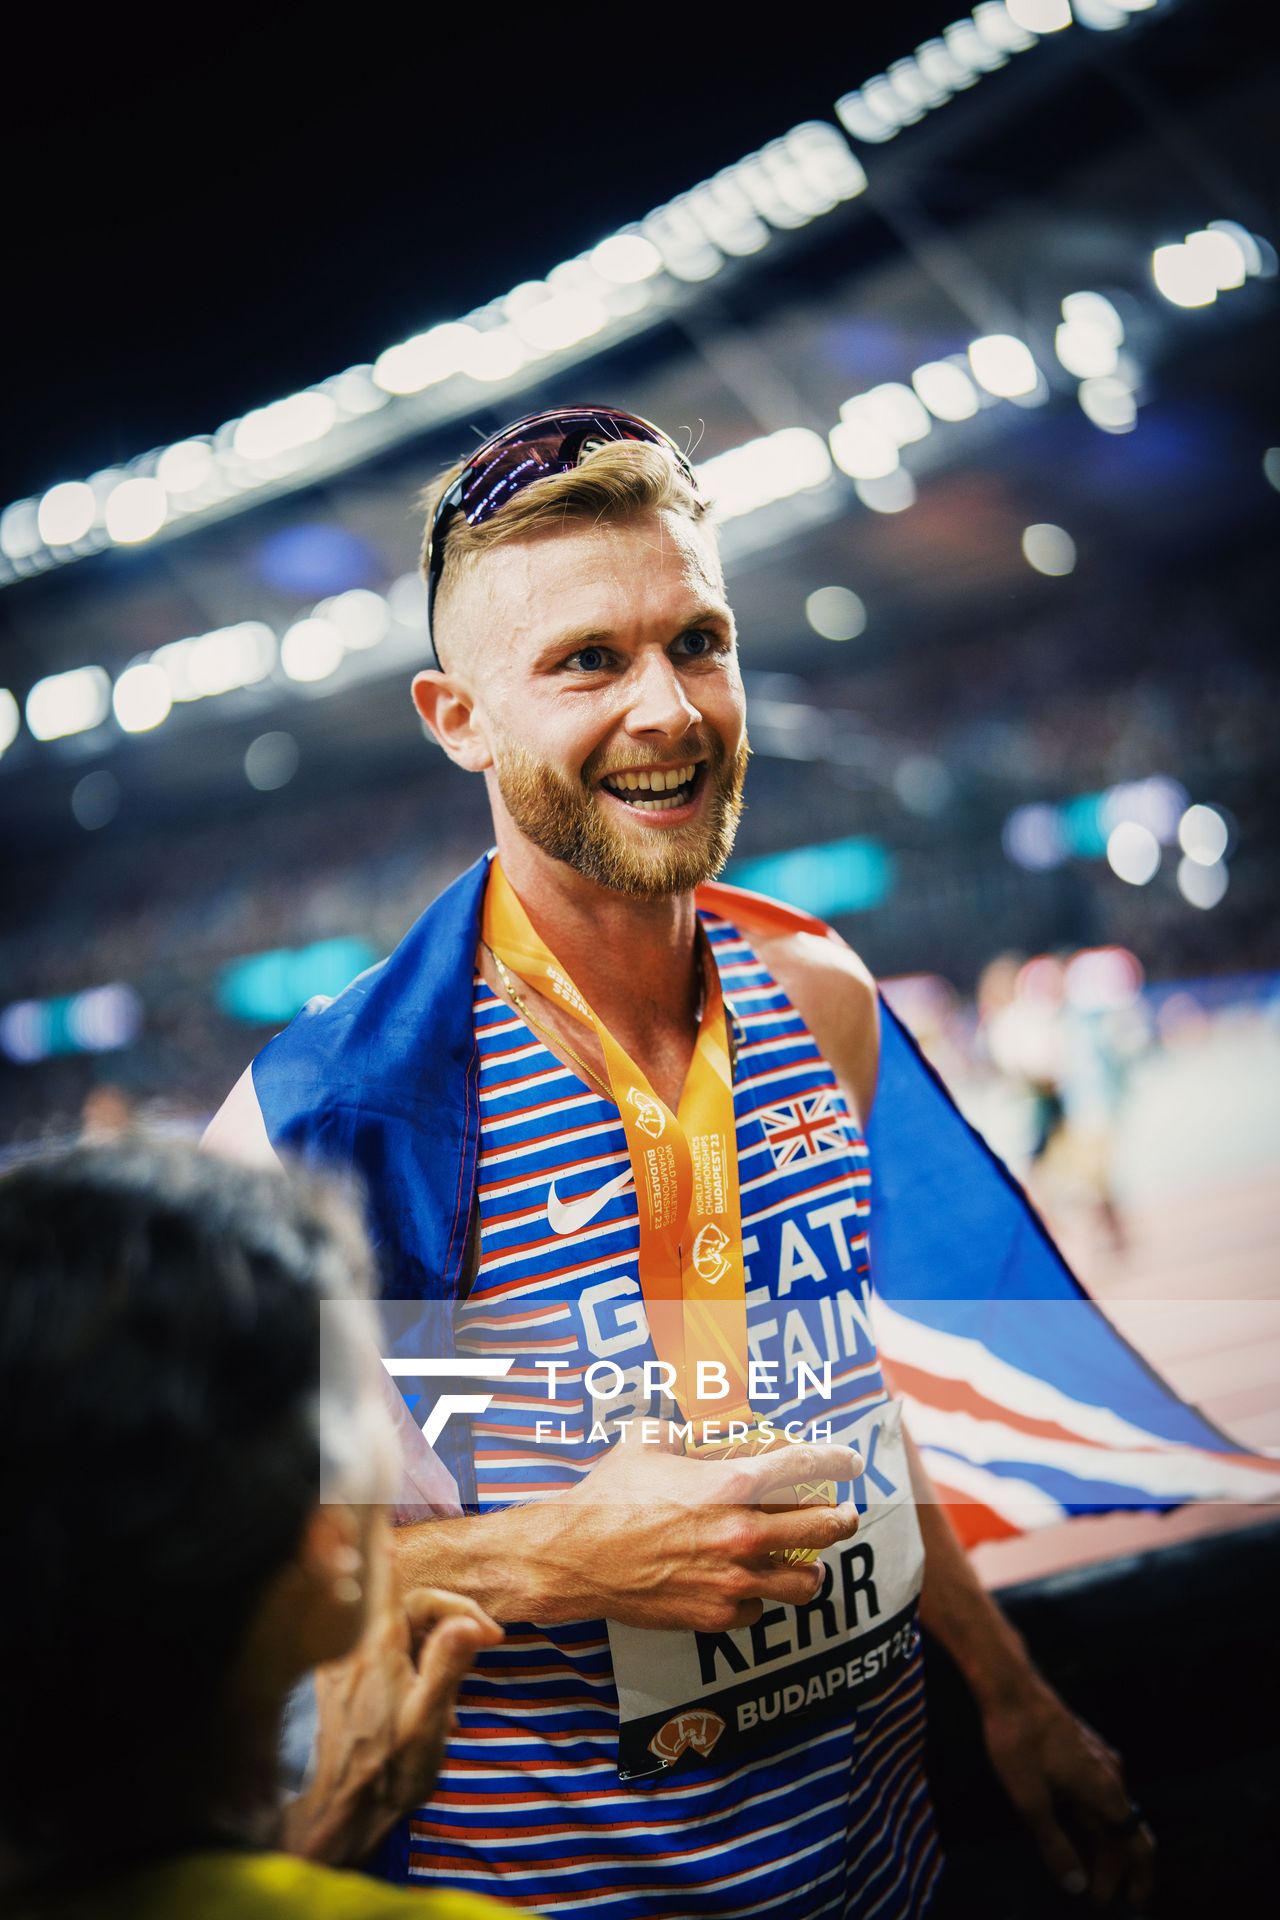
x=164, y=1430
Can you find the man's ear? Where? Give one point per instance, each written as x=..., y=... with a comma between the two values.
x=447, y=710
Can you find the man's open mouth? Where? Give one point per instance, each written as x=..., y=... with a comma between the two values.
x=657, y=791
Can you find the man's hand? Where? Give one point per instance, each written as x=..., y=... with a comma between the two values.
x=1068, y=1785
x=385, y=1713
x=656, y=1540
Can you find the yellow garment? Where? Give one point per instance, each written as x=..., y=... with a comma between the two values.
x=253, y=1886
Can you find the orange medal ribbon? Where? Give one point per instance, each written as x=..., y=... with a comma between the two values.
x=685, y=1166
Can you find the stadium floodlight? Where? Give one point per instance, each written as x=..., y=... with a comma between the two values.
x=1003, y=364
x=946, y=390
x=229, y=657
x=142, y=697
x=836, y=613
x=66, y=513
x=1181, y=278
x=1089, y=339
x=361, y=616
x=185, y=467
x=284, y=426
x=1133, y=853
x=10, y=720
x=1040, y=16
x=1201, y=886
x=428, y=358
x=974, y=49
x=941, y=68
x=1049, y=549
x=355, y=392
x=560, y=320
x=888, y=492
x=66, y=703
x=1203, y=835
x=895, y=408
x=1217, y=253
x=626, y=258
x=793, y=460
x=135, y=510
x=997, y=25
x=495, y=355
x=311, y=650
x=20, y=530
x=861, y=448
x=1109, y=403
x=1085, y=352
x=1251, y=247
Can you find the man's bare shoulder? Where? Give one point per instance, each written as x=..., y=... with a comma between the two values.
x=830, y=985
x=237, y=1130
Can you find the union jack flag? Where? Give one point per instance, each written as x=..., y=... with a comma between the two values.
x=805, y=1128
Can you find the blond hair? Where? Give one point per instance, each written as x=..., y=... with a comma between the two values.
x=613, y=482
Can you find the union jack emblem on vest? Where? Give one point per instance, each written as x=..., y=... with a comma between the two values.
x=804, y=1128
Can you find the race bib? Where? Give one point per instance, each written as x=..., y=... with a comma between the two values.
x=698, y=1694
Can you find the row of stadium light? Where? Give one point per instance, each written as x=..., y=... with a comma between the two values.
x=958, y=57
x=1128, y=826
x=1215, y=259
x=865, y=445
x=630, y=279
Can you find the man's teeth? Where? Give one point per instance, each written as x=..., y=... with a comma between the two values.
x=661, y=781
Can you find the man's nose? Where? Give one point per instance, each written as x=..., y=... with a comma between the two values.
x=659, y=700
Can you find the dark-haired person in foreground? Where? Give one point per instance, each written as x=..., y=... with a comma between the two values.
x=164, y=1428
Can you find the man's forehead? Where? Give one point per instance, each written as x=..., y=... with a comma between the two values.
x=652, y=568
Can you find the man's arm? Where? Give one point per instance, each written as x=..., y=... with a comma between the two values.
x=1052, y=1765
x=648, y=1537
x=1049, y=1761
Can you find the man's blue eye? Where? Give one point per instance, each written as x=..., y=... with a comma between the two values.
x=697, y=642
x=590, y=659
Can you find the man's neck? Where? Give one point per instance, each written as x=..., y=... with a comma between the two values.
x=633, y=958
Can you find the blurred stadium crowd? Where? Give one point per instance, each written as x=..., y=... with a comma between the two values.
x=926, y=745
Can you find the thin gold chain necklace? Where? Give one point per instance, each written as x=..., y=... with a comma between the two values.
x=523, y=1008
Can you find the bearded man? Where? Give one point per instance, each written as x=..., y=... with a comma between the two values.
x=609, y=1119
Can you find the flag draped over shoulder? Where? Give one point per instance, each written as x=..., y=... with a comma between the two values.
x=1026, y=1403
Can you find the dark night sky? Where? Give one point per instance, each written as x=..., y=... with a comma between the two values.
x=210, y=222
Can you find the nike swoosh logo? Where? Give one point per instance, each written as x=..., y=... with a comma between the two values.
x=571, y=1216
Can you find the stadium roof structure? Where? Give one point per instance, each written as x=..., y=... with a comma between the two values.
x=996, y=316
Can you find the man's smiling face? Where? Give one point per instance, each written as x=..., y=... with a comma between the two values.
x=603, y=668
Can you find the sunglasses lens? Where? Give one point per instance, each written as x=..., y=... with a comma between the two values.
x=546, y=444
x=542, y=444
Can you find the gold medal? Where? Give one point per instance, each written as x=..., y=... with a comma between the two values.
x=807, y=1493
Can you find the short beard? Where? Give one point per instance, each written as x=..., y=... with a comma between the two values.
x=569, y=821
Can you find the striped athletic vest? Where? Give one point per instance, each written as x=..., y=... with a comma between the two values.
x=831, y=1821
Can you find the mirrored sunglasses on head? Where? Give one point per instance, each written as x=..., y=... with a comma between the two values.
x=556, y=441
